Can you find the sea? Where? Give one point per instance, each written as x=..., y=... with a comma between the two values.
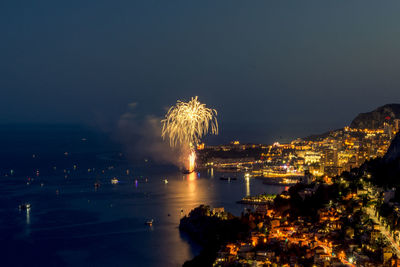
x=78, y=217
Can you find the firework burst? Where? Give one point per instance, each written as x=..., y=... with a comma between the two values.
x=186, y=123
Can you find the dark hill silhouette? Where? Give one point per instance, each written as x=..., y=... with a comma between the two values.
x=376, y=118
x=385, y=171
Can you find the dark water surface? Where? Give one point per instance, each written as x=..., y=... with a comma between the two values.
x=71, y=223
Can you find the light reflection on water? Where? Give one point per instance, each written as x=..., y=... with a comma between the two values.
x=110, y=220
x=28, y=216
x=247, y=179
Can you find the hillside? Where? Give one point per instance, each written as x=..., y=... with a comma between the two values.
x=385, y=171
x=376, y=118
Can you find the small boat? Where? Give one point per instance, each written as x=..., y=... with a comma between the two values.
x=114, y=180
x=149, y=222
x=165, y=181
x=187, y=172
x=25, y=206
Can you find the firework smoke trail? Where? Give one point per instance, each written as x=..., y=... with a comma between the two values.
x=186, y=123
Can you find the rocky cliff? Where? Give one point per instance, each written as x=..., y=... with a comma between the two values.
x=376, y=118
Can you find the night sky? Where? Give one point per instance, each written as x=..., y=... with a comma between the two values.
x=258, y=63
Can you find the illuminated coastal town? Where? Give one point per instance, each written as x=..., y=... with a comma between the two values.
x=327, y=156
x=335, y=211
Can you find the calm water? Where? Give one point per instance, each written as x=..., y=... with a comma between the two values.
x=71, y=223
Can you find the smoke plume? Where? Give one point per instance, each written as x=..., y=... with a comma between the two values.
x=141, y=136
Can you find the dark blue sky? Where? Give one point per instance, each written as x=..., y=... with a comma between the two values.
x=258, y=62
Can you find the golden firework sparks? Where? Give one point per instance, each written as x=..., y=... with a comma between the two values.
x=186, y=123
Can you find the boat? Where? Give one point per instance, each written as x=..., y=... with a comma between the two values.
x=149, y=222
x=114, y=180
x=262, y=199
x=187, y=171
x=25, y=206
